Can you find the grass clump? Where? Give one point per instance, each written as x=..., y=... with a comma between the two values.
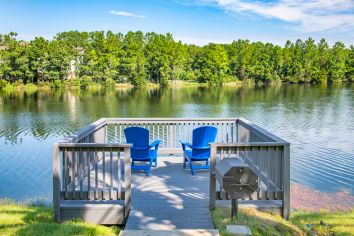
x=260, y=223
x=300, y=223
x=325, y=223
x=25, y=219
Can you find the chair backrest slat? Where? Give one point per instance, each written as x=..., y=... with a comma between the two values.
x=139, y=137
x=202, y=136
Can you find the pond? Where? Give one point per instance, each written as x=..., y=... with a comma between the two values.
x=318, y=121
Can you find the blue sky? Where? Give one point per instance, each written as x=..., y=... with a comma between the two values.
x=191, y=21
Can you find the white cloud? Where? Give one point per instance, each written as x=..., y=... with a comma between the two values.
x=306, y=15
x=124, y=13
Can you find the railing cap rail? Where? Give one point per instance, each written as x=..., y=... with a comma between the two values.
x=259, y=129
x=250, y=144
x=93, y=145
x=162, y=119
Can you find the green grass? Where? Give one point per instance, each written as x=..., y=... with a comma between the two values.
x=301, y=223
x=325, y=223
x=24, y=219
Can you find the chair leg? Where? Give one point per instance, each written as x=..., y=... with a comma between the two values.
x=207, y=162
x=191, y=166
x=155, y=162
x=184, y=162
x=148, y=168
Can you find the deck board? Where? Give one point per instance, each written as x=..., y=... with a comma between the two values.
x=170, y=198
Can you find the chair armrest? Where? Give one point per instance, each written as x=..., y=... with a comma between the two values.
x=185, y=144
x=141, y=148
x=200, y=148
x=154, y=144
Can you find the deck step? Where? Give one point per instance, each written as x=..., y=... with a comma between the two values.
x=179, y=232
x=97, y=212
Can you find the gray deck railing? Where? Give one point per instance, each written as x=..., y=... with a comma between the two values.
x=97, y=146
x=86, y=168
x=266, y=154
x=170, y=130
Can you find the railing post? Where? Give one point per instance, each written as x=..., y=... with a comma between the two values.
x=56, y=182
x=286, y=181
x=99, y=135
x=212, y=180
x=127, y=182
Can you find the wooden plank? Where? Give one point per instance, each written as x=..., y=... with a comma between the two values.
x=96, y=175
x=81, y=166
x=66, y=173
x=111, y=174
x=73, y=173
x=89, y=146
x=56, y=182
x=89, y=195
x=212, y=180
x=96, y=212
x=127, y=182
x=286, y=179
x=119, y=174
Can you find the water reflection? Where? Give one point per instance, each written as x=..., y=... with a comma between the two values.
x=317, y=120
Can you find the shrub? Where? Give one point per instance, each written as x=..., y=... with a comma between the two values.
x=18, y=83
x=42, y=83
x=109, y=82
x=85, y=81
x=3, y=83
x=75, y=82
x=56, y=84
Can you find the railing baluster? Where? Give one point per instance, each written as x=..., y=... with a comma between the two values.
x=120, y=133
x=115, y=134
x=96, y=174
x=63, y=177
x=158, y=131
x=119, y=183
x=167, y=136
x=66, y=173
x=104, y=175
x=89, y=154
x=73, y=186
x=111, y=172
x=81, y=172
x=153, y=132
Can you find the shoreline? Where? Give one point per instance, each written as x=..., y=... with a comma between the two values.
x=31, y=87
x=308, y=199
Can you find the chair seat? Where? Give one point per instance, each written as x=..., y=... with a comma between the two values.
x=194, y=158
x=152, y=155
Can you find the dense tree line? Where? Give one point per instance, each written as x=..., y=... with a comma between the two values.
x=104, y=57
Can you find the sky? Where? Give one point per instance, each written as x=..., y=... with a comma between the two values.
x=191, y=21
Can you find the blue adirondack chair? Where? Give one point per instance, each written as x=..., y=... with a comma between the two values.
x=141, y=150
x=199, y=150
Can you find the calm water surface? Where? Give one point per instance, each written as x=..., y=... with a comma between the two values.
x=317, y=120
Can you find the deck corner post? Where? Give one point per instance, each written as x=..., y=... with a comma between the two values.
x=212, y=180
x=127, y=182
x=286, y=181
x=56, y=182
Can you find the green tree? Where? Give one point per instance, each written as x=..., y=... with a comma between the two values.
x=133, y=62
x=337, y=67
x=212, y=64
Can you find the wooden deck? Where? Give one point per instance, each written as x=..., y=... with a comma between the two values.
x=92, y=174
x=170, y=198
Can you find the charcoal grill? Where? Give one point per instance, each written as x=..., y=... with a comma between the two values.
x=237, y=180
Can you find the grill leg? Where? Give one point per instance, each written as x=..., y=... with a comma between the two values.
x=234, y=208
